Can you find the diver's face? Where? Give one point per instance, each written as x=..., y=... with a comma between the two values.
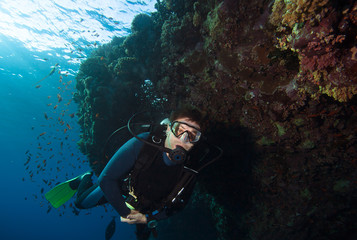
x=172, y=141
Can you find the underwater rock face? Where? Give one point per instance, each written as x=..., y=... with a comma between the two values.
x=323, y=34
x=278, y=80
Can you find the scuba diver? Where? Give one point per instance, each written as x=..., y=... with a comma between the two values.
x=150, y=177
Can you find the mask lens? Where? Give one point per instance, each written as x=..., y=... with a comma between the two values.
x=194, y=137
x=176, y=129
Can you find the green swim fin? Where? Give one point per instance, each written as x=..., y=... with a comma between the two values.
x=61, y=193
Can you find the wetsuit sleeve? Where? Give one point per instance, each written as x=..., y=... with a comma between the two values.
x=117, y=169
x=179, y=204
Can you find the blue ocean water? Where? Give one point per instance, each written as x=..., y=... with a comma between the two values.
x=42, y=44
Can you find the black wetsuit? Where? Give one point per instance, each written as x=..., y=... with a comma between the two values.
x=118, y=168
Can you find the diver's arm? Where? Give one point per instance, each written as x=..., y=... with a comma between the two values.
x=116, y=169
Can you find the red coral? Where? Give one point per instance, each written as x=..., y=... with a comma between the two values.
x=326, y=60
x=308, y=63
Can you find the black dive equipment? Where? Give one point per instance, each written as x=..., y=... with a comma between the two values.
x=177, y=155
x=152, y=224
x=200, y=154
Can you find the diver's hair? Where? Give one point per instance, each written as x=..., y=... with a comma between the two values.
x=190, y=112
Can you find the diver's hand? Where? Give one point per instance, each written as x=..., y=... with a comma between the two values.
x=135, y=217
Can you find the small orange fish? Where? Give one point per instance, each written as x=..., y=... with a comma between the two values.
x=69, y=127
x=71, y=115
x=55, y=107
x=69, y=102
x=46, y=116
x=42, y=134
x=38, y=86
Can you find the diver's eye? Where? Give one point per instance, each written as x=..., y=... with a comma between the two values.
x=180, y=130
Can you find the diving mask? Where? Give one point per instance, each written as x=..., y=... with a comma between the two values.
x=185, y=132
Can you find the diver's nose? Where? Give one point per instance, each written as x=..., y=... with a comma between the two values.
x=184, y=137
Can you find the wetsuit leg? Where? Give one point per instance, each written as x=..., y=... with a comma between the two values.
x=89, y=195
x=142, y=232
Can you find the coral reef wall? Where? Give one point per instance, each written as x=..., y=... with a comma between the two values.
x=113, y=84
x=278, y=80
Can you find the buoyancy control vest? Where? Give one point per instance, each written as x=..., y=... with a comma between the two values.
x=152, y=185
x=154, y=181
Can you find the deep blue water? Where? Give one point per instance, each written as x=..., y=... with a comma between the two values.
x=37, y=122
